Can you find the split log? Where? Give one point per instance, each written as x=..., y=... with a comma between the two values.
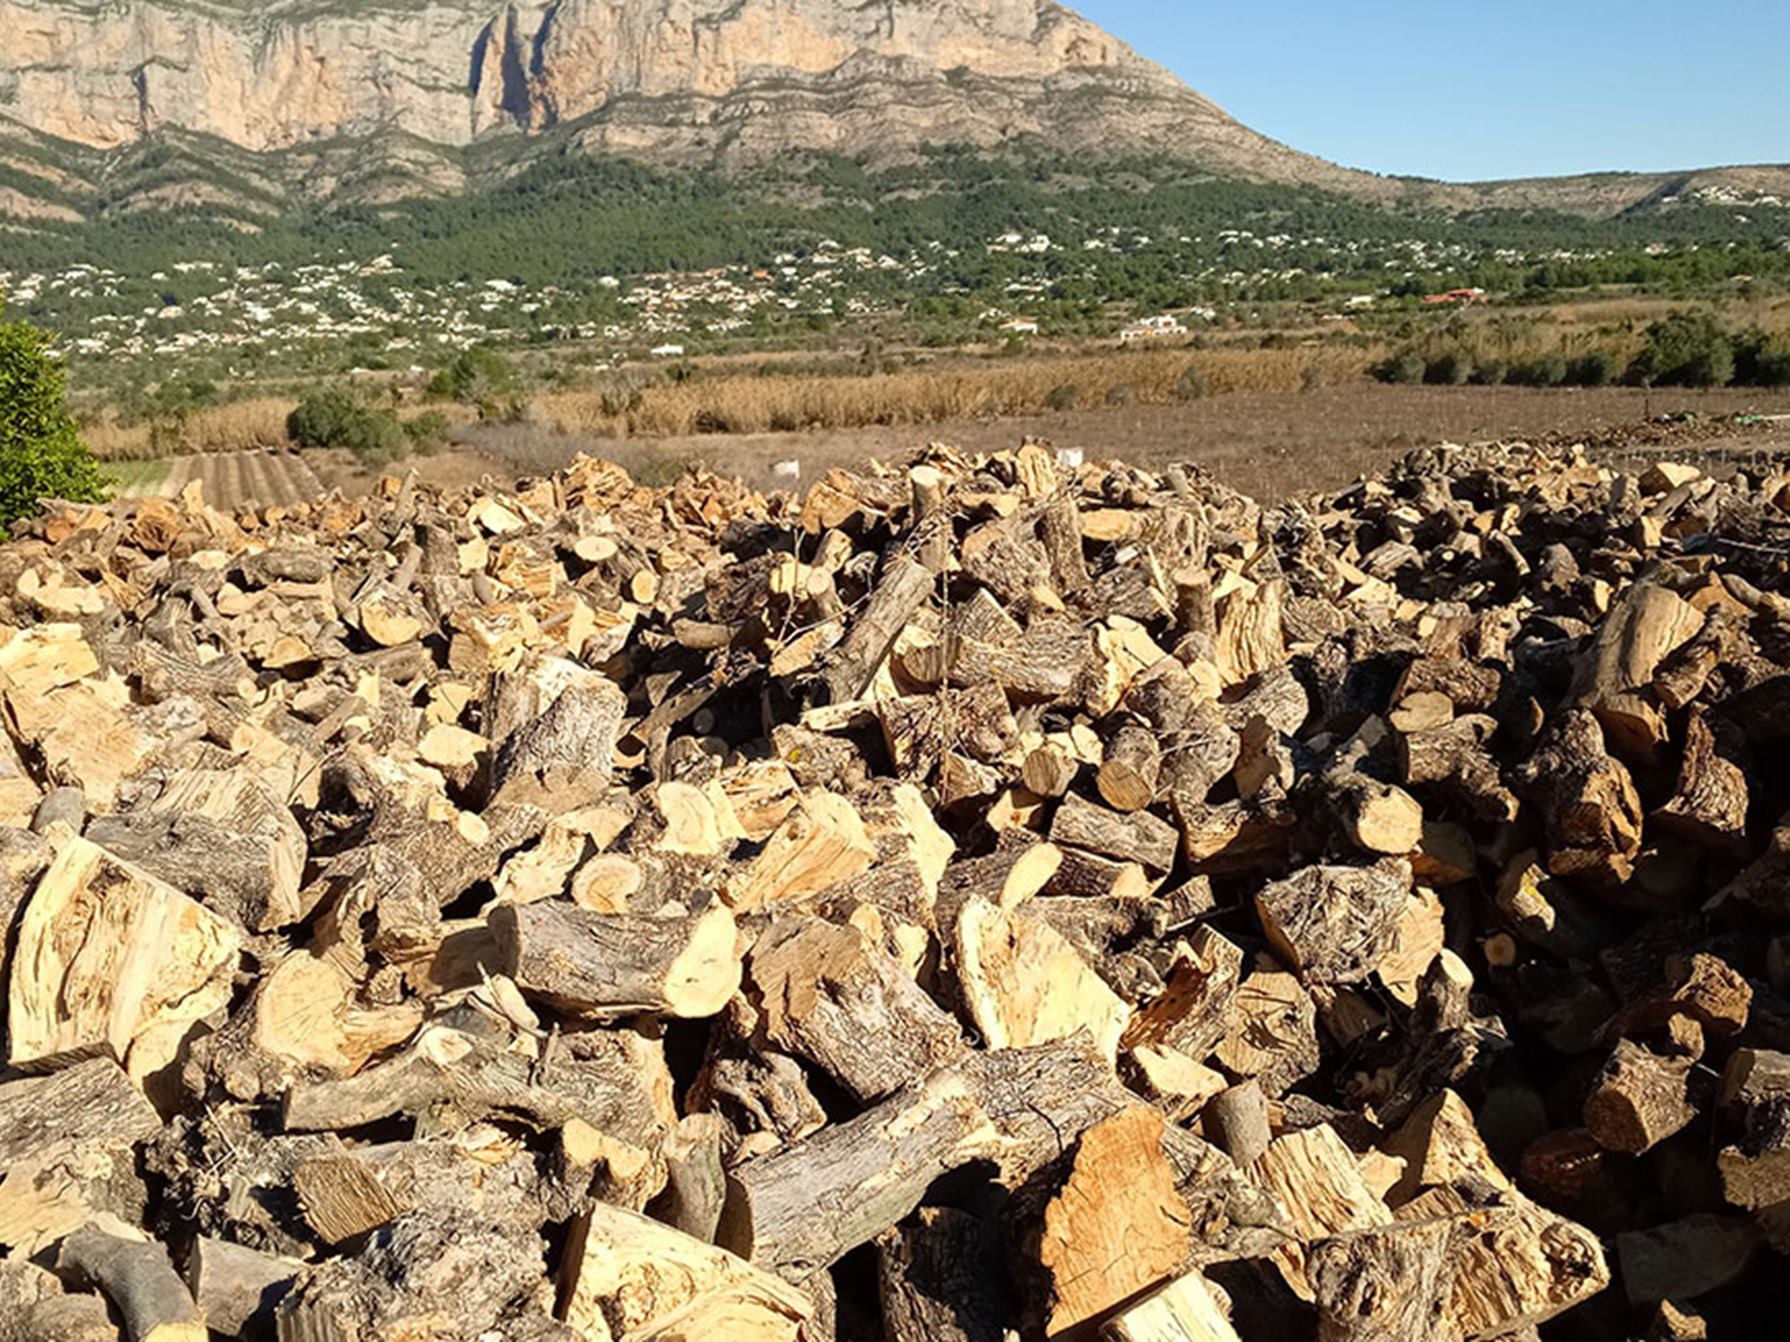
x=1091, y=1252
x=1384, y=1284
x=1614, y=678
x=1188, y=1309
x=822, y=842
x=1588, y=800
x=1137, y=837
x=828, y=997
x=1317, y=1184
x=1455, y=760
x=934, y=1282
x=139, y=1281
x=1024, y=984
x=625, y=1276
x=1272, y=1033
x=1335, y=925
x=238, y=1290
x=1710, y=806
x=1192, y=1014
x=695, y=1184
x=1638, y=1100
x=601, y=965
x=109, y=957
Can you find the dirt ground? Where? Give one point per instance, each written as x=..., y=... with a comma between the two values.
x=1269, y=444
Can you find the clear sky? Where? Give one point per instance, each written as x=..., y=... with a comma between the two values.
x=1477, y=89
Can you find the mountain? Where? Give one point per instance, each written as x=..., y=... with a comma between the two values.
x=118, y=104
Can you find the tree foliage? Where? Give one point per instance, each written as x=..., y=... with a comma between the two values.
x=41, y=452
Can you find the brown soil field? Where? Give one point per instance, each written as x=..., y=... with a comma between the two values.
x=1268, y=444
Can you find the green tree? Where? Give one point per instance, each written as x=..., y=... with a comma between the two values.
x=1685, y=349
x=335, y=417
x=41, y=452
x=481, y=377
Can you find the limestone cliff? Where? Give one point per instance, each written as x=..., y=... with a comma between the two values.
x=682, y=79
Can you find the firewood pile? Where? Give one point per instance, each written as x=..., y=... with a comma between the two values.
x=977, y=899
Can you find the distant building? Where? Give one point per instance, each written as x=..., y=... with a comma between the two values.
x=1152, y=328
x=668, y=351
x=1463, y=297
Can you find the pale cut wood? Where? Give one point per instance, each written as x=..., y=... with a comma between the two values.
x=1129, y=774
x=628, y=1277
x=1171, y=1080
x=1188, y=1309
x=1095, y=1251
x=1192, y=1013
x=1250, y=634
x=1638, y=1100
x=139, y=1281
x=1318, y=1184
x=306, y=1014
x=821, y=843
x=606, y=965
x=1023, y=983
x=109, y=957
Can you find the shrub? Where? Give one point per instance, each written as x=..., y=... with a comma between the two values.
x=1063, y=396
x=1547, y=371
x=1449, y=370
x=1596, y=369
x=1685, y=349
x=1759, y=361
x=428, y=430
x=41, y=452
x=1192, y=384
x=1406, y=368
x=479, y=377
x=1120, y=393
x=335, y=417
x=1492, y=373
x=1311, y=378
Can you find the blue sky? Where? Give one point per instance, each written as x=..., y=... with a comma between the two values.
x=1472, y=90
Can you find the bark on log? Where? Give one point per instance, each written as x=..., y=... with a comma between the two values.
x=1128, y=776
x=139, y=1281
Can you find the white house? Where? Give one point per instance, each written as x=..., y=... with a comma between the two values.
x=1152, y=328
x=668, y=351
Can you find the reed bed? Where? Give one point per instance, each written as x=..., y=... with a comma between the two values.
x=750, y=404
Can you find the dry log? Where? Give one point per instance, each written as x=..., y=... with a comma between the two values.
x=903, y=588
x=934, y=1282
x=695, y=1184
x=1587, y=799
x=1710, y=806
x=1319, y=1188
x=629, y=1277
x=109, y=957
x=1131, y=770
x=1638, y=1100
x=1091, y=1252
x=1188, y=1309
x=139, y=1281
x=1614, y=679
x=1685, y=1259
x=1138, y=837
x=599, y=965
x=238, y=1290
x=821, y=843
x=1386, y=1283
x=828, y=997
x=1236, y=1121
x=1192, y=1014
x=1335, y=924
x=1024, y=984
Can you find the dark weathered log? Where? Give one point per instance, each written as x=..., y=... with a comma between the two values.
x=827, y=996
x=1383, y=1284
x=1710, y=805
x=139, y=1281
x=1336, y=924
x=602, y=965
x=1638, y=1100
x=1588, y=801
x=934, y=1281
x=1138, y=837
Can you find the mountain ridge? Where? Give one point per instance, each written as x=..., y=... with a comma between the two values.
x=370, y=103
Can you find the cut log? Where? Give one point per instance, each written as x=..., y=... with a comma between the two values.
x=1131, y=770
x=822, y=842
x=1375, y=817
x=238, y=1289
x=1335, y=925
x=601, y=965
x=1614, y=679
x=1024, y=984
x=627, y=1277
x=1710, y=806
x=1092, y=1252
x=934, y=1282
x=1588, y=800
x=1236, y=1121
x=1192, y=1014
x=109, y=957
x=1138, y=837
x=1188, y=1309
x=139, y=1281
x=902, y=589
x=1384, y=1284
x=828, y=997
x=695, y=1184
x=1638, y=1100
x=1319, y=1187
x=1685, y=1259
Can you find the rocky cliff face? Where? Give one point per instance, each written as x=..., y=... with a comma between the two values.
x=684, y=79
